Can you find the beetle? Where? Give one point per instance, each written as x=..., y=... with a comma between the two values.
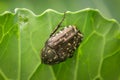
x=61, y=45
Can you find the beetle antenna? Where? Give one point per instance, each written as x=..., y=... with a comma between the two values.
x=58, y=25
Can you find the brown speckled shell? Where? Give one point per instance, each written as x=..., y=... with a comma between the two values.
x=61, y=46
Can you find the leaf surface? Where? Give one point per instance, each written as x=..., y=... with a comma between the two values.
x=23, y=35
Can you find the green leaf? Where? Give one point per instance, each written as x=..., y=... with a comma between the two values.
x=23, y=34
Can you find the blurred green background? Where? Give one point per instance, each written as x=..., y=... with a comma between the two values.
x=109, y=8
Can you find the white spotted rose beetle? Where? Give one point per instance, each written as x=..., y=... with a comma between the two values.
x=61, y=45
